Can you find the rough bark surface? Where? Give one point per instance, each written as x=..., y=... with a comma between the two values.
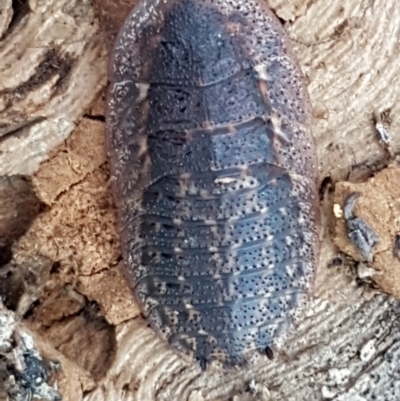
x=53, y=69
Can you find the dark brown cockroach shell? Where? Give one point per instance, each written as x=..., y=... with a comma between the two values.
x=214, y=174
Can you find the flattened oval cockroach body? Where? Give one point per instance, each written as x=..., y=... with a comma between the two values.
x=214, y=174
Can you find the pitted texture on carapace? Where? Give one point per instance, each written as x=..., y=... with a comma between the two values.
x=214, y=163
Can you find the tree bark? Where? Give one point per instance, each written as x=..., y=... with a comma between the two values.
x=53, y=73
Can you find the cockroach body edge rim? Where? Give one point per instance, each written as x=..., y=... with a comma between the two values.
x=214, y=174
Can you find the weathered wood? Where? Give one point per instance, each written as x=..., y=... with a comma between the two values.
x=347, y=347
x=53, y=64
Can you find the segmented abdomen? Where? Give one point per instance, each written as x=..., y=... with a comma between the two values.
x=215, y=177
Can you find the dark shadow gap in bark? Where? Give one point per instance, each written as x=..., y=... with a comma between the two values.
x=20, y=10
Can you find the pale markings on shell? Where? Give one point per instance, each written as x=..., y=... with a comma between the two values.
x=210, y=157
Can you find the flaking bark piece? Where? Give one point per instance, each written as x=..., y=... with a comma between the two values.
x=359, y=231
x=24, y=374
